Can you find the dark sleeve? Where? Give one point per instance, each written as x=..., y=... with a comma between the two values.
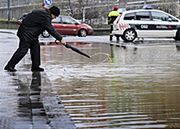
x=46, y=23
x=109, y=19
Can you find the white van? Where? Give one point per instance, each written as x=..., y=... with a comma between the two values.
x=146, y=23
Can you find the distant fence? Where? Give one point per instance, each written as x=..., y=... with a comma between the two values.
x=8, y=25
x=16, y=12
x=100, y=11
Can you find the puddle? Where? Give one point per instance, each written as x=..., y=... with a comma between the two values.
x=119, y=88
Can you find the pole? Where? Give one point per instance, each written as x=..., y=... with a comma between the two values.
x=177, y=8
x=8, y=10
x=145, y=2
x=84, y=14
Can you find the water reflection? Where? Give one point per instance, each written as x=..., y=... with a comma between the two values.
x=136, y=89
x=30, y=112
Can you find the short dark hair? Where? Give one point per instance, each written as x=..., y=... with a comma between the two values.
x=54, y=10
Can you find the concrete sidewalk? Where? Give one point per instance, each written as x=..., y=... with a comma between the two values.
x=26, y=98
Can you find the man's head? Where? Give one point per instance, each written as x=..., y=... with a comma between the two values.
x=55, y=11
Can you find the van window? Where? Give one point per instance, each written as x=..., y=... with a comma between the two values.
x=143, y=15
x=158, y=16
x=129, y=16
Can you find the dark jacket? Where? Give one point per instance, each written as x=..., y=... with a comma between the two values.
x=34, y=24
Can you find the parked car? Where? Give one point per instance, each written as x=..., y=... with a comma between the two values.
x=146, y=23
x=67, y=25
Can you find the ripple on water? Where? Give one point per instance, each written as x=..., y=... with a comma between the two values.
x=135, y=91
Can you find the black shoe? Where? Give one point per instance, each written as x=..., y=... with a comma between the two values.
x=10, y=69
x=37, y=69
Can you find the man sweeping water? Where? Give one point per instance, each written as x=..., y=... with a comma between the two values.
x=31, y=27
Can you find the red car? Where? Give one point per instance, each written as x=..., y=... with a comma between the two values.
x=67, y=25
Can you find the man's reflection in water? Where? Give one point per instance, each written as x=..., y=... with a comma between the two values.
x=178, y=46
x=35, y=98
x=114, y=51
x=30, y=104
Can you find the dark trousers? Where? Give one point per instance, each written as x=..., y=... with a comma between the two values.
x=111, y=35
x=21, y=52
x=111, y=29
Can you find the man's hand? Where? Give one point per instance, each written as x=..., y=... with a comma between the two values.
x=60, y=42
x=63, y=42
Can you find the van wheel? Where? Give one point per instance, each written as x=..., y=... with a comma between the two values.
x=45, y=34
x=177, y=38
x=82, y=33
x=129, y=35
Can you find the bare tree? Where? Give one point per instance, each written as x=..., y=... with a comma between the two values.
x=71, y=8
x=170, y=7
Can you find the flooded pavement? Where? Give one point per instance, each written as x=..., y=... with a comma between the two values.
x=118, y=88
x=19, y=93
x=133, y=88
x=26, y=100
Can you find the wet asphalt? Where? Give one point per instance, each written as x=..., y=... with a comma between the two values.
x=26, y=98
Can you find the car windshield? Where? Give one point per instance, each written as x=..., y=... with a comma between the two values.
x=65, y=20
x=56, y=20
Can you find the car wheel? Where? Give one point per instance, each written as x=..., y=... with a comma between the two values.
x=177, y=38
x=82, y=33
x=45, y=34
x=129, y=35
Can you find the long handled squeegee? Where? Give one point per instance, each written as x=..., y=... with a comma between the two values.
x=76, y=50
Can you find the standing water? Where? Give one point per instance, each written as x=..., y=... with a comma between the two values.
x=117, y=88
